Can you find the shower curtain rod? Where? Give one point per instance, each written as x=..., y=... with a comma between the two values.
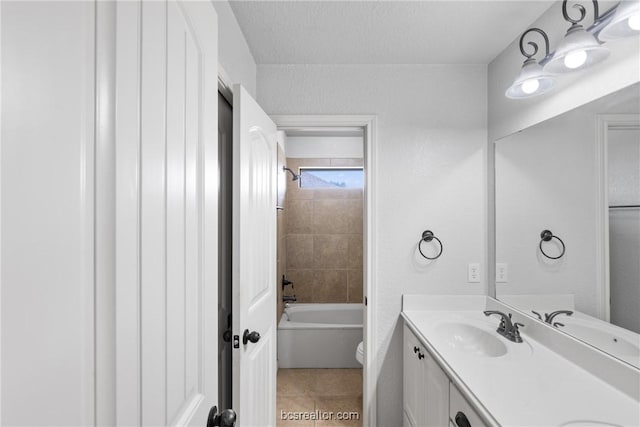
x=624, y=207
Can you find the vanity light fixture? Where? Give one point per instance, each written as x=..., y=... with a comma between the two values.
x=532, y=80
x=579, y=48
x=625, y=22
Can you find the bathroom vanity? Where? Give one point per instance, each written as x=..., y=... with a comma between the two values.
x=459, y=371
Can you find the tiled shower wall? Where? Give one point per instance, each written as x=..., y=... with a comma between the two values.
x=281, y=252
x=323, y=241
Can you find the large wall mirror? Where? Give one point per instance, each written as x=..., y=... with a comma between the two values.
x=568, y=222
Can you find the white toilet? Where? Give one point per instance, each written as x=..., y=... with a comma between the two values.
x=360, y=352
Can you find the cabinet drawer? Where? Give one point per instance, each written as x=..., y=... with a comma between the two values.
x=457, y=403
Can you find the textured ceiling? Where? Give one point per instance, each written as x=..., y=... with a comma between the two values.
x=383, y=32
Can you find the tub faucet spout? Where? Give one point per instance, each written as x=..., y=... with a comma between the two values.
x=289, y=298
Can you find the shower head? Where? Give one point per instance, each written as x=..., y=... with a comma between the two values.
x=294, y=177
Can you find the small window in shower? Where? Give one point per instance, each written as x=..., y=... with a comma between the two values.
x=332, y=177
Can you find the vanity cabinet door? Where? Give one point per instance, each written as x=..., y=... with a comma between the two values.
x=425, y=386
x=437, y=393
x=412, y=381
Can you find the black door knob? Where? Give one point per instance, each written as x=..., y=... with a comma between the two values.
x=462, y=420
x=226, y=418
x=254, y=336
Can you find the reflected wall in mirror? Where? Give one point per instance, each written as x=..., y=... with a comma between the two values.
x=578, y=176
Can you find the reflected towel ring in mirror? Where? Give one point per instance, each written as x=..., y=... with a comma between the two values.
x=427, y=236
x=546, y=236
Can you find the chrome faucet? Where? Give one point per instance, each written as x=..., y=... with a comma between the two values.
x=507, y=329
x=548, y=317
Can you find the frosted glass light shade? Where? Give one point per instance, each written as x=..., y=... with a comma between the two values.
x=532, y=81
x=579, y=49
x=624, y=23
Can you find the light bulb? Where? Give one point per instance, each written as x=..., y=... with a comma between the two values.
x=530, y=86
x=634, y=22
x=575, y=59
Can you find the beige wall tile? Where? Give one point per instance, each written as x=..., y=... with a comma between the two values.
x=330, y=250
x=354, y=251
x=302, y=284
x=347, y=162
x=354, y=286
x=300, y=216
x=295, y=162
x=300, y=253
x=336, y=193
x=354, y=215
x=330, y=286
x=330, y=217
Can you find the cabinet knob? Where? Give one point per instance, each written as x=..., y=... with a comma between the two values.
x=420, y=356
x=416, y=349
x=462, y=420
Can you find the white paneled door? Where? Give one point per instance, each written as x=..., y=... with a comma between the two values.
x=166, y=214
x=254, y=262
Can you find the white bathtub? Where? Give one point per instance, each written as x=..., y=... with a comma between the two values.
x=319, y=336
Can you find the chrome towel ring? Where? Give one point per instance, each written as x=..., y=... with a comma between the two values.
x=428, y=236
x=546, y=236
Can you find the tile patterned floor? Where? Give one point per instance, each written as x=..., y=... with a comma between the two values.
x=322, y=390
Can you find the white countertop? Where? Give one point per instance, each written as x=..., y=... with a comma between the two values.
x=530, y=385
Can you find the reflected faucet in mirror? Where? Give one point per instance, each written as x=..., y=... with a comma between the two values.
x=548, y=317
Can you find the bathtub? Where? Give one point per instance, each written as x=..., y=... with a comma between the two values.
x=319, y=336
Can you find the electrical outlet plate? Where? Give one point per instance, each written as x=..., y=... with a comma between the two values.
x=473, y=273
x=502, y=272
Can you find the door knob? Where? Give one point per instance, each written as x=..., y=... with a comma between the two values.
x=226, y=418
x=254, y=336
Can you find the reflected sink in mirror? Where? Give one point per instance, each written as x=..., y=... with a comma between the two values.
x=470, y=339
x=605, y=339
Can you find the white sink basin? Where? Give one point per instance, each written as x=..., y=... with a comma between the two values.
x=470, y=339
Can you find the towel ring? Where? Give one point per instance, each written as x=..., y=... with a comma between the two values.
x=428, y=236
x=546, y=236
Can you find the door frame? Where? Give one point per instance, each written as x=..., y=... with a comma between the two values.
x=603, y=285
x=369, y=124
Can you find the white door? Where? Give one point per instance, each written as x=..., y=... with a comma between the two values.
x=166, y=215
x=254, y=262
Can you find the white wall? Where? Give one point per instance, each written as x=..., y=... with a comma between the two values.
x=234, y=55
x=507, y=116
x=430, y=175
x=324, y=147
